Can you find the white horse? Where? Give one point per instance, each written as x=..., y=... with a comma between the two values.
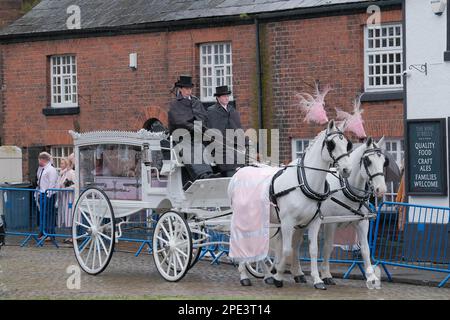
x=298, y=191
x=367, y=163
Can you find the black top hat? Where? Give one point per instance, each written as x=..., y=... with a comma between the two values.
x=184, y=81
x=221, y=91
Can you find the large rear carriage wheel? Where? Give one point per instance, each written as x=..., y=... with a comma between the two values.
x=93, y=231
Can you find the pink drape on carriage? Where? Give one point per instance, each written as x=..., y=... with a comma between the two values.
x=250, y=222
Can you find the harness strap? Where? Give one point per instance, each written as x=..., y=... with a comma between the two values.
x=342, y=204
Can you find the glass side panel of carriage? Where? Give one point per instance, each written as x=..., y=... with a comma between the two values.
x=116, y=169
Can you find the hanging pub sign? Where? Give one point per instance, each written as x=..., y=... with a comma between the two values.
x=426, y=171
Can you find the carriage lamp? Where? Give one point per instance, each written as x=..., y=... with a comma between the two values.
x=438, y=6
x=133, y=61
x=146, y=154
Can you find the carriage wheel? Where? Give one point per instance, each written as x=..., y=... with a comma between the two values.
x=172, y=246
x=257, y=270
x=93, y=231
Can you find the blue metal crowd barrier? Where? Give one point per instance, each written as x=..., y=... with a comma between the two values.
x=412, y=236
x=57, y=215
x=20, y=209
x=139, y=229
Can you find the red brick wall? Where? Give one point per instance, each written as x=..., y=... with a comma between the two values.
x=112, y=96
x=10, y=10
x=330, y=49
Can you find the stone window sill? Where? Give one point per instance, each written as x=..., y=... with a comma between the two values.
x=382, y=96
x=49, y=111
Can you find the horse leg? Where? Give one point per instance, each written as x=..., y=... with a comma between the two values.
x=287, y=231
x=313, y=234
x=329, y=231
x=245, y=279
x=373, y=281
x=296, y=268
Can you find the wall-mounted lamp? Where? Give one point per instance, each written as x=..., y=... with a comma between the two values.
x=133, y=61
x=438, y=6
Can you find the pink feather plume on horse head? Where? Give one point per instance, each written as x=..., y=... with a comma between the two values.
x=353, y=122
x=314, y=107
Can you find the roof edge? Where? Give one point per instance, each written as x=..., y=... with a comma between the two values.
x=299, y=13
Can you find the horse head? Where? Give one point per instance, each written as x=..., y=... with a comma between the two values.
x=373, y=162
x=336, y=149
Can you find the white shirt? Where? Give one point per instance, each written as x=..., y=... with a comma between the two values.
x=47, y=178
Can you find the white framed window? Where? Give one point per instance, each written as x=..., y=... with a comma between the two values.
x=383, y=57
x=63, y=70
x=216, y=69
x=298, y=147
x=396, y=147
x=59, y=152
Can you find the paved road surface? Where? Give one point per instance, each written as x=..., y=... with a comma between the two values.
x=40, y=273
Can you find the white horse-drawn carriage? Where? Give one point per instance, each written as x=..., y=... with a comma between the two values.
x=120, y=174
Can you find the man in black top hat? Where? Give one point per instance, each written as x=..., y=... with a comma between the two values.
x=223, y=116
x=183, y=111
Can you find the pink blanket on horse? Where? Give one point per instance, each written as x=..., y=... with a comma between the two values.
x=249, y=194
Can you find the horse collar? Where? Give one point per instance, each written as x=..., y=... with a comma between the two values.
x=304, y=186
x=350, y=194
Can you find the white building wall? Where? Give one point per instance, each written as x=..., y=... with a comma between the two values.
x=428, y=96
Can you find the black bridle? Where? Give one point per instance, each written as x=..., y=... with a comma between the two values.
x=356, y=196
x=331, y=145
x=366, y=162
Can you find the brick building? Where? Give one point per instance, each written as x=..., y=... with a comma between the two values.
x=58, y=79
x=10, y=10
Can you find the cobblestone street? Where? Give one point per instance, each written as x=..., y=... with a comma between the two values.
x=40, y=273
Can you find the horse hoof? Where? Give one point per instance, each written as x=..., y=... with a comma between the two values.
x=246, y=282
x=329, y=281
x=270, y=281
x=300, y=279
x=278, y=283
x=320, y=286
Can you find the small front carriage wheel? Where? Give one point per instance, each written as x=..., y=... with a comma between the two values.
x=172, y=246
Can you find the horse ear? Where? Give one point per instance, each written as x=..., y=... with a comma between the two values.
x=341, y=126
x=381, y=143
x=369, y=142
x=331, y=125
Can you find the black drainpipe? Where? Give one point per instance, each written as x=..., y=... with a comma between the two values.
x=259, y=75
